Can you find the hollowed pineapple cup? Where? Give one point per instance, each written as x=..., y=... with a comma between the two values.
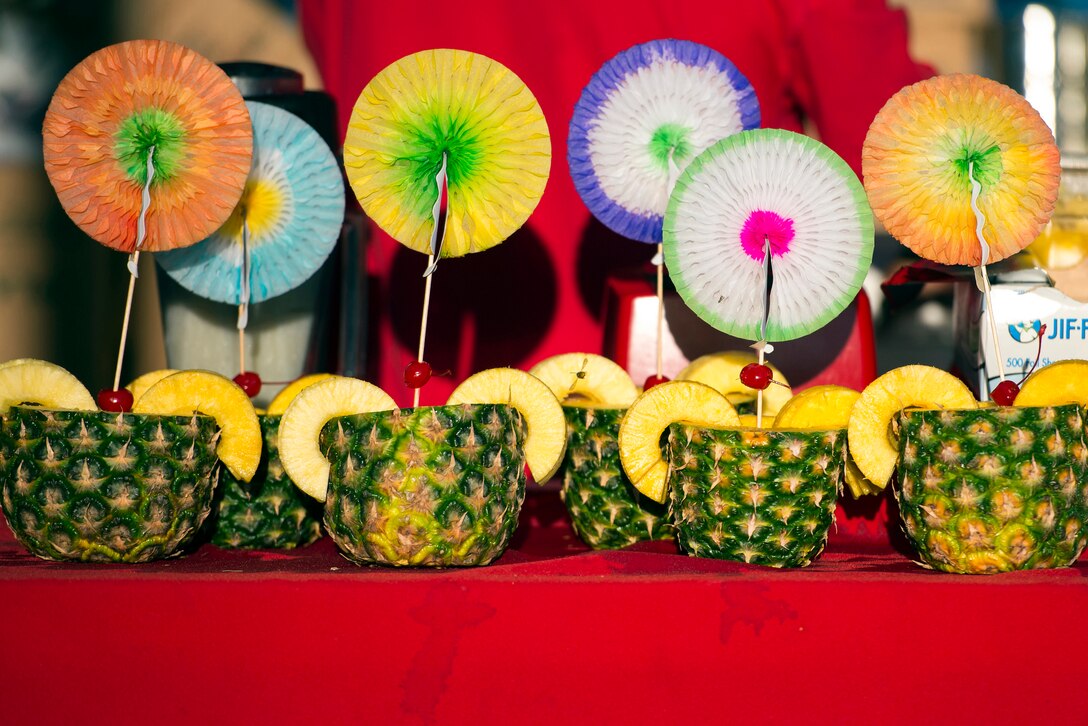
x=994, y=489
x=763, y=496
x=269, y=512
x=106, y=487
x=605, y=508
x=436, y=486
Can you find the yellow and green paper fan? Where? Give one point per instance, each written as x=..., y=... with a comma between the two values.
x=455, y=112
x=924, y=146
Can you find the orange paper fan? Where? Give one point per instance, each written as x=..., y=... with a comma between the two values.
x=916, y=159
x=112, y=108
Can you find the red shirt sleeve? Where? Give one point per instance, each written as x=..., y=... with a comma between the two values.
x=846, y=58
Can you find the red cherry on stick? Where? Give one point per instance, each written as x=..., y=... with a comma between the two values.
x=654, y=381
x=417, y=373
x=249, y=382
x=1005, y=393
x=118, y=401
x=756, y=375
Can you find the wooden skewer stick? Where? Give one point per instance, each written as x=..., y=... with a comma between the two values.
x=134, y=263
x=243, y=305
x=423, y=323
x=441, y=180
x=761, y=346
x=759, y=395
x=660, y=310
x=659, y=261
x=135, y=258
x=241, y=350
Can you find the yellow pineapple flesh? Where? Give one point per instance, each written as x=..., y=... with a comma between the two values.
x=138, y=386
x=547, y=427
x=283, y=399
x=586, y=379
x=826, y=407
x=872, y=445
x=1062, y=382
x=647, y=420
x=311, y=409
x=41, y=383
x=204, y=392
x=721, y=371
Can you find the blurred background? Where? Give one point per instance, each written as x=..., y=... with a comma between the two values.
x=61, y=294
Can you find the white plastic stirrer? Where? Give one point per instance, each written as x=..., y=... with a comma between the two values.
x=659, y=262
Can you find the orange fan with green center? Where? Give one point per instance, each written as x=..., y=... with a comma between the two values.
x=148, y=145
x=926, y=145
x=141, y=99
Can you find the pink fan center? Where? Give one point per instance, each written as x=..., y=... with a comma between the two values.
x=764, y=224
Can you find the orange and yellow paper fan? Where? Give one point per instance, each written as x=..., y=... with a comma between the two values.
x=464, y=105
x=919, y=152
x=103, y=120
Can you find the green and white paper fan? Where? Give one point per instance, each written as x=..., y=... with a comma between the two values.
x=768, y=190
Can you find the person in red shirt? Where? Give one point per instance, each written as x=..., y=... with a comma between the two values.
x=819, y=66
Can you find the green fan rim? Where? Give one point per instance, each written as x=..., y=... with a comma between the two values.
x=671, y=242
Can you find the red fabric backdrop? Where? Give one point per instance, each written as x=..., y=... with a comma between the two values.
x=830, y=62
x=549, y=634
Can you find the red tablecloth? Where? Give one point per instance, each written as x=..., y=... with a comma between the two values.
x=550, y=633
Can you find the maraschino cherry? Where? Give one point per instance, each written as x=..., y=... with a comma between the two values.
x=417, y=373
x=1005, y=393
x=756, y=375
x=249, y=382
x=654, y=381
x=115, y=400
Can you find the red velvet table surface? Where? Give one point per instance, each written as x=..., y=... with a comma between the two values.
x=550, y=631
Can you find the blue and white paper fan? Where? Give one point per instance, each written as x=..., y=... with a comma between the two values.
x=643, y=116
x=293, y=204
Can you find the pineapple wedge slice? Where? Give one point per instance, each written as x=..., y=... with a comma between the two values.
x=826, y=407
x=547, y=426
x=139, y=386
x=283, y=399
x=1065, y=381
x=872, y=444
x=721, y=371
x=39, y=382
x=651, y=414
x=307, y=414
x=187, y=392
x=586, y=379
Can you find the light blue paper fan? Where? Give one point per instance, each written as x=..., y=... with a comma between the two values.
x=294, y=205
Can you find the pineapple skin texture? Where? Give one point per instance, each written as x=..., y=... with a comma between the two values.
x=606, y=510
x=994, y=489
x=96, y=486
x=765, y=497
x=429, y=487
x=269, y=512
